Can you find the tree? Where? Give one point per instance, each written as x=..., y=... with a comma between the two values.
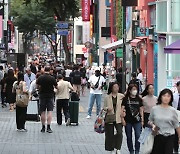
x=63, y=10
x=31, y=20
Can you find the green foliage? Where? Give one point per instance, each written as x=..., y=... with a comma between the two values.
x=119, y=24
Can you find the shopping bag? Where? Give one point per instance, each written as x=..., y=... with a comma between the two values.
x=147, y=141
x=99, y=125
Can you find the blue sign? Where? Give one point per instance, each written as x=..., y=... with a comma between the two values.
x=110, y=57
x=63, y=32
x=62, y=25
x=142, y=31
x=156, y=68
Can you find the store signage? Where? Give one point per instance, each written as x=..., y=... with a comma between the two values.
x=86, y=10
x=110, y=57
x=129, y=2
x=63, y=32
x=142, y=31
x=91, y=26
x=86, y=31
x=105, y=31
x=62, y=25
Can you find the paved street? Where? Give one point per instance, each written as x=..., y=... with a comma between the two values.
x=64, y=140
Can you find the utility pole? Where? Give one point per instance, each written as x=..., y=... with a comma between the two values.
x=124, y=50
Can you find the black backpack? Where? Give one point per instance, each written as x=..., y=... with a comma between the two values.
x=77, y=78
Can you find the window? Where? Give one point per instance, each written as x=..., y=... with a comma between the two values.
x=79, y=39
x=175, y=15
x=108, y=18
x=161, y=16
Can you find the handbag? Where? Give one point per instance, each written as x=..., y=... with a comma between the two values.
x=99, y=125
x=147, y=141
x=22, y=99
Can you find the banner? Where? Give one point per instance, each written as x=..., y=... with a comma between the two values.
x=1, y=26
x=86, y=32
x=86, y=10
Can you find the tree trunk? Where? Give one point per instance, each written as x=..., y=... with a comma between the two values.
x=66, y=49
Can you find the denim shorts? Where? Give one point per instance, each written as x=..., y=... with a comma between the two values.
x=46, y=104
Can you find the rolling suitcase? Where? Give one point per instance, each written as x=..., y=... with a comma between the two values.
x=74, y=112
x=33, y=111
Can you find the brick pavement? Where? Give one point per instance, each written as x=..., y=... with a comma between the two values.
x=64, y=140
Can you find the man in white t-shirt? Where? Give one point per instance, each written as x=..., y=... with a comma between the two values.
x=96, y=81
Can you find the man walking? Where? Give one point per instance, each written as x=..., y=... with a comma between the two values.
x=62, y=96
x=46, y=84
x=96, y=81
x=29, y=77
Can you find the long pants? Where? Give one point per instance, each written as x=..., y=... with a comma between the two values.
x=137, y=130
x=62, y=104
x=163, y=144
x=21, y=117
x=113, y=140
x=176, y=144
x=92, y=98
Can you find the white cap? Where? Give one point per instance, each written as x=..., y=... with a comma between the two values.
x=98, y=69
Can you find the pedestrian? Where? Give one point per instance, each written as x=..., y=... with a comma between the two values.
x=149, y=101
x=10, y=97
x=46, y=84
x=3, y=93
x=114, y=119
x=76, y=79
x=137, y=82
x=134, y=118
x=19, y=87
x=62, y=100
x=29, y=77
x=164, y=120
x=176, y=105
x=67, y=73
x=96, y=81
x=140, y=75
x=119, y=76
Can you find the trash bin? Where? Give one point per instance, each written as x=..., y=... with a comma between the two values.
x=74, y=112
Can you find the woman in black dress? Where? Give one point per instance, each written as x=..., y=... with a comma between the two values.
x=10, y=97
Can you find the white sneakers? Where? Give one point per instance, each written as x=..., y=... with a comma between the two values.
x=115, y=152
x=88, y=117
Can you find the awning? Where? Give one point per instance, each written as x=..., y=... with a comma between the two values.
x=135, y=42
x=113, y=45
x=173, y=48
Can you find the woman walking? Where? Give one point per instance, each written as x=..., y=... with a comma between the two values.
x=134, y=118
x=20, y=88
x=164, y=120
x=114, y=119
x=10, y=97
x=149, y=101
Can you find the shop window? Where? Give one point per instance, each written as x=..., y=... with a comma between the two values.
x=175, y=15
x=79, y=36
x=161, y=16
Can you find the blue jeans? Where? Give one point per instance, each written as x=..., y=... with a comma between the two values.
x=92, y=98
x=137, y=129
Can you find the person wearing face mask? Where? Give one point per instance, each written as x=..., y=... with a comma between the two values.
x=96, y=82
x=164, y=121
x=149, y=101
x=134, y=118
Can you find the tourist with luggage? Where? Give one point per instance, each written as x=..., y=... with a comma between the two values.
x=149, y=101
x=96, y=82
x=164, y=121
x=134, y=118
x=22, y=99
x=46, y=84
x=114, y=119
x=62, y=100
x=76, y=79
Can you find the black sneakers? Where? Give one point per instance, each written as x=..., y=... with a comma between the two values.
x=49, y=130
x=43, y=130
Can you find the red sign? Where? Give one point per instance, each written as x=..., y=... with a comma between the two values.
x=70, y=37
x=84, y=50
x=86, y=10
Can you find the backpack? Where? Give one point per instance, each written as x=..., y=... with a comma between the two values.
x=77, y=78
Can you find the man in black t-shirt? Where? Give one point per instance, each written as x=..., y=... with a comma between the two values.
x=46, y=84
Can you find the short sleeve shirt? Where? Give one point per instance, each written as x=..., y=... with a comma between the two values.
x=47, y=84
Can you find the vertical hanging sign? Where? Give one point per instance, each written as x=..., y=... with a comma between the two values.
x=86, y=10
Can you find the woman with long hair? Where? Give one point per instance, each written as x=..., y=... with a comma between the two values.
x=149, y=101
x=20, y=84
x=164, y=120
x=10, y=97
x=134, y=118
x=114, y=119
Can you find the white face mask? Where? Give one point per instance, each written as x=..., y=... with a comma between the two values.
x=134, y=92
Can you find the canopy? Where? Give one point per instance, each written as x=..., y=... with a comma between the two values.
x=113, y=45
x=135, y=42
x=173, y=48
